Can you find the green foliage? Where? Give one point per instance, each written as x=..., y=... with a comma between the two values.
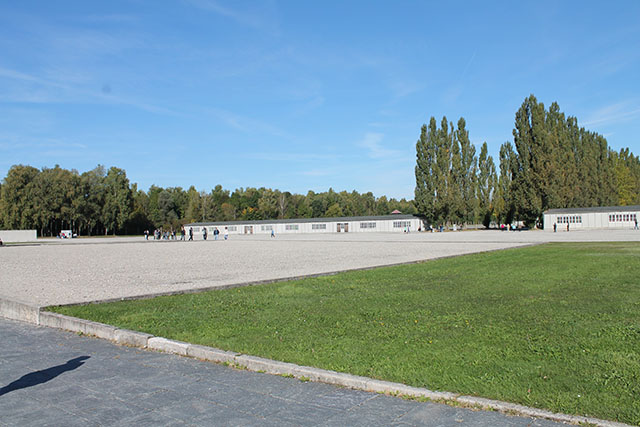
x=334, y=211
x=553, y=326
x=100, y=202
x=446, y=168
x=486, y=183
x=552, y=163
x=557, y=164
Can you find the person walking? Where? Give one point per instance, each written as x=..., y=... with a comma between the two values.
x=215, y=233
x=204, y=233
x=182, y=233
x=190, y=233
x=636, y=224
x=226, y=233
x=555, y=226
x=273, y=234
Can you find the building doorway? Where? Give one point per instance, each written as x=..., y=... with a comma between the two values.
x=248, y=229
x=343, y=226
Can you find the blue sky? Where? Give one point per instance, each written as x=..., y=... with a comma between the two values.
x=299, y=95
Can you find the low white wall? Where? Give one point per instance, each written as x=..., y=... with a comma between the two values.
x=18, y=236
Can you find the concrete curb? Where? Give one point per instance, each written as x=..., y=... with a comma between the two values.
x=18, y=310
x=32, y=314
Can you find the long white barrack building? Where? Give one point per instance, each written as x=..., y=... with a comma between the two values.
x=356, y=224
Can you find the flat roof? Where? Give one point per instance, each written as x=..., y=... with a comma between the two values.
x=597, y=209
x=307, y=220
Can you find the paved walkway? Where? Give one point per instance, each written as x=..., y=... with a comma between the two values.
x=51, y=377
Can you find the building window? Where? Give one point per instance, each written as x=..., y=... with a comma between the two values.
x=401, y=224
x=367, y=225
x=266, y=227
x=318, y=226
x=291, y=227
x=233, y=228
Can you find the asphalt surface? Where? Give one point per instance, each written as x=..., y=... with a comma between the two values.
x=52, y=377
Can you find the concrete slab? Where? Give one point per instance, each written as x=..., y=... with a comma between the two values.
x=166, y=389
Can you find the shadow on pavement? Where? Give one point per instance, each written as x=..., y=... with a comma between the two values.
x=41, y=377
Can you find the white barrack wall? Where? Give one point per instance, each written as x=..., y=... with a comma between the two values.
x=620, y=217
x=361, y=224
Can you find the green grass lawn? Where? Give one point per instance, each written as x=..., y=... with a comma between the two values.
x=554, y=326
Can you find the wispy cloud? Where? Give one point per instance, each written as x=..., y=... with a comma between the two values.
x=454, y=92
x=317, y=172
x=37, y=92
x=402, y=88
x=263, y=19
x=9, y=141
x=110, y=18
x=246, y=124
x=614, y=113
x=293, y=157
x=372, y=142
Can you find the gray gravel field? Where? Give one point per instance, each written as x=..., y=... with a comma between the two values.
x=84, y=270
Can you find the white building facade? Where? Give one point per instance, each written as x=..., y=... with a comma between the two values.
x=619, y=217
x=359, y=224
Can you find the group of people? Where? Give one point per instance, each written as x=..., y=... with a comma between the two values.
x=159, y=234
x=205, y=233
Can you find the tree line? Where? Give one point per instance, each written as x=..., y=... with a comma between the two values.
x=552, y=163
x=102, y=201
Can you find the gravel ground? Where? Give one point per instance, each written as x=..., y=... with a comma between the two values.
x=84, y=270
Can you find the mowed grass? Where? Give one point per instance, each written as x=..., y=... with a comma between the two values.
x=555, y=326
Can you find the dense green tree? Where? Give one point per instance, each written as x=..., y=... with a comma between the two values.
x=18, y=210
x=334, y=211
x=92, y=200
x=469, y=166
x=118, y=200
x=194, y=211
x=268, y=204
x=455, y=202
x=529, y=140
x=486, y=183
x=503, y=200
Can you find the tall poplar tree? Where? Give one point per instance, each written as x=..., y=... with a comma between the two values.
x=486, y=182
x=503, y=201
x=529, y=140
x=469, y=165
x=426, y=171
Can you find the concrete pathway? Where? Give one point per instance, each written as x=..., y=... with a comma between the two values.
x=51, y=377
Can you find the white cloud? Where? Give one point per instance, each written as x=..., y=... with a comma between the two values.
x=372, y=142
x=247, y=124
x=47, y=91
x=614, y=113
x=263, y=19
